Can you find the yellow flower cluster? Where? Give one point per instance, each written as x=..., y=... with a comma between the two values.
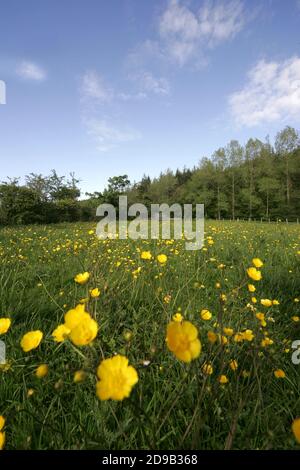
x=79, y=327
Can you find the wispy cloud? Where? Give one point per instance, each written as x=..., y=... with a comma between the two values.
x=98, y=103
x=108, y=136
x=31, y=71
x=185, y=32
x=93, y=87
x=272, y=93
x=150, y=84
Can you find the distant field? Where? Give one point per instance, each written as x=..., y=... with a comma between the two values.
x=174, y=404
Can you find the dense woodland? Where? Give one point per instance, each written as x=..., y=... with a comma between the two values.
x=254, y=181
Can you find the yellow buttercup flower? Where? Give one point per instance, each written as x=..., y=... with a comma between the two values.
x=257, y=262
x=266, y=342
x=177, y=317
x=85, y=331
x=212, y=337
x=233, y=365
x=61, y=333
x=251, y=288
x=223, y=379
x=2, y=422
x=279, y=374
x=296, y=429
x=74, y=316
x=205, y=314
x=248, y=335
x=95, y=293
x=207, y=368
x=295, y=318
x=228, y=331
x=79, y=376
x=146, y=255
x=31, y=340
x=162, y=259
x=223, y=340
x=182, y=340
x=116, y=378
x=82, y=278
x=266, y=302
x=275, y=302
x=42, y=371
x=254, y=274
x=2, y=440
x=4, y=325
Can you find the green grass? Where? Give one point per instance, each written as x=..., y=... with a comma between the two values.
x=174, y=405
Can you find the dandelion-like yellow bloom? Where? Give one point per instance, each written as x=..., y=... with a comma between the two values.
x=251, y=288
x=61, y=333
x=95, y=293
x=74, y=316
x=182, y=340
x=116, y=378
x=233, y=364
x=257, y=262
x=248, y=335
x=2, y=422
x=42, y=371
x=4, y=325
x=84, y=332
x=279, y=374
x=146, y=255
x=212, y=337
x=177, y=317
x=266, y=302
x=31, y=340
x=2, y=440
x=207, y=368
x=275, y=302
x=296, y=429
x=82, y=278
x=79, y=376
x=205, y=314
x=162, y=259
x=254, y=274
x=228, y=331
x=223, y=379
x=266, y=342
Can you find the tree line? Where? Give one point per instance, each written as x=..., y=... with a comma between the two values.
x=253, y=181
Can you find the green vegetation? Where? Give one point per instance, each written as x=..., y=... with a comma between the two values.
x=254, y=181
x=174, y=405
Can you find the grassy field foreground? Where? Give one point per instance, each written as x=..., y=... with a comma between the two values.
x=241, y=391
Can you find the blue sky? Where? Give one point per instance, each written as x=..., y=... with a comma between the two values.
x=105, y=88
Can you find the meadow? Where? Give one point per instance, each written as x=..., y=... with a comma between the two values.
x=235, y=388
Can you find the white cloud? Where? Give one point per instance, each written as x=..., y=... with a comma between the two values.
x=272, y=93
x=185, y=33
x=149, y=84
x=31, y=71
x=108, y=136
x=94, y=88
